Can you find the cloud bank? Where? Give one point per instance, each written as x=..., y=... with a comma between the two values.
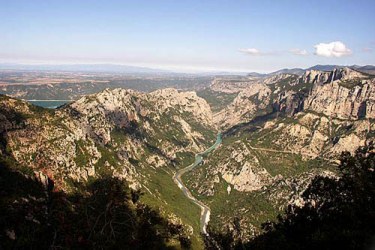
x=333, y=49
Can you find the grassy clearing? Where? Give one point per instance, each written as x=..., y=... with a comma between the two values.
x=254, y=206
x=286, y=164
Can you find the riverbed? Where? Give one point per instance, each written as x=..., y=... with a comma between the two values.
x=205, y=210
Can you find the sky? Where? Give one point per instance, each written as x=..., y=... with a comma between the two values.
x=194, y=35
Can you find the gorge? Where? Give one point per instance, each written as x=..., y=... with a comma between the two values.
x=275, y=134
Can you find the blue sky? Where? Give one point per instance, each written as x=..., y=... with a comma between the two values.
x=189, y=35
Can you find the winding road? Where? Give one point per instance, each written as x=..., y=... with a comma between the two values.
x=205, y=210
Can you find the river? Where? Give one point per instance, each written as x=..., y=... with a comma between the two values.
x=205, y=210
x=51, y=104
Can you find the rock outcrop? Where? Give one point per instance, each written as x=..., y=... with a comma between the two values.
x=342, y=93
x=344, y=99
x=249, y=103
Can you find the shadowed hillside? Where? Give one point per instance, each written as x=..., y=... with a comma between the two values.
x=105, y=213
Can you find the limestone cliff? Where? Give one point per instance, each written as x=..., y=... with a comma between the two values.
x=249, y=102
x=342, y=93
x=351, y=96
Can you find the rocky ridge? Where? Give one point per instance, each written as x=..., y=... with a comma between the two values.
x=121, y=124
x=342, y=93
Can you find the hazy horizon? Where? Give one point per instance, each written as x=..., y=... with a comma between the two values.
x=261, y=36
x=107, y=68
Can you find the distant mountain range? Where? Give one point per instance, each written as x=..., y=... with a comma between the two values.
x=369, y=69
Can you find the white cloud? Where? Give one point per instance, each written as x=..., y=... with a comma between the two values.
x=333, y=49
x=251, y=51
x=299, y=52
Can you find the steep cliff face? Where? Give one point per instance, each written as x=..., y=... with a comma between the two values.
x=351, y=96
x=288, y=103
x=316, y=76
x=245, y=106
x=258, y=97
x=342, y=93
x=321, y=77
